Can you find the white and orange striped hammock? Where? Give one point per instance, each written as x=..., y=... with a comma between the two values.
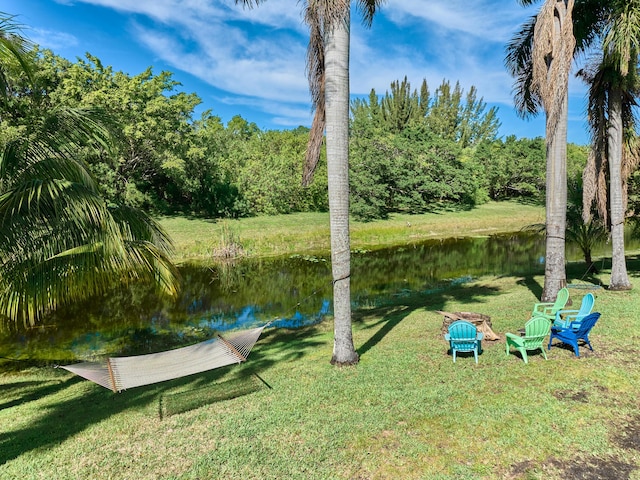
x=121, y=373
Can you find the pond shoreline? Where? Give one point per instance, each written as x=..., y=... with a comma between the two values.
x=198, y=240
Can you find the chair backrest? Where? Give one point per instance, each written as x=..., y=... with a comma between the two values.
x=561, y=299
x=587, y=305
x=463, y=336
x=586, y=324
x=462, y=330
x=536, y=329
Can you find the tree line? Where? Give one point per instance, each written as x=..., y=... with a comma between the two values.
x=410, y=151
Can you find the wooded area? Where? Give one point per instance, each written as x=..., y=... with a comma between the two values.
x=411, y=151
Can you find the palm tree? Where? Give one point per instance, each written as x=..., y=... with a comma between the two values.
x=621, y=47
x=328, y=71
x=540, y=57
x=59, y=240
x=614, y=27
x=612, y=98
x=13, y=46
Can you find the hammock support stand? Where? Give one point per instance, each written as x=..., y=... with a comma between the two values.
x=120, y=373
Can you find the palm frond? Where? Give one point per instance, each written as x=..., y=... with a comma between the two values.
x=589, y=22
x=13, y=45
x=249, y=3
x=368, y=9
x=518, y=61
x=622, y=41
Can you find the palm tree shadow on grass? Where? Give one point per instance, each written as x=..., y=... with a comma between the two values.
x=69, y=417
x=580, y=276
x=392, y=315
x=66, y=418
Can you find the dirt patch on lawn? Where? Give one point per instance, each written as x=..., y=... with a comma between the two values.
x=583, y=466
x=628, y=434
x=578, y=468
x=581, y=396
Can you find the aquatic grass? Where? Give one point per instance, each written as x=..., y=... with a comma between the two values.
x=229, y=246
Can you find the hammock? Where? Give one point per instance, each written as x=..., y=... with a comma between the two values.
x=121, y=373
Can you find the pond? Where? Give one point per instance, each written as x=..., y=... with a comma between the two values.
x=290, y=292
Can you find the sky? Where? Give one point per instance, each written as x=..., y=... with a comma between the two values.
x=251, y=62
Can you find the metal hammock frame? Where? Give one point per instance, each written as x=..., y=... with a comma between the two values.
x=121, y=373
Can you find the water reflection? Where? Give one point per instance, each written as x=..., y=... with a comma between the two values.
x=289, y=292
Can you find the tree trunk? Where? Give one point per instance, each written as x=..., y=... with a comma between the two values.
x=555, y=276
x=337, y=127
x=619, y=277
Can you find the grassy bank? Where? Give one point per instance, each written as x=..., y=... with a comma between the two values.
x=308, y=233
x=406, y=411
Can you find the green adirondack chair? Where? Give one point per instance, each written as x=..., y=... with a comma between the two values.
x=535, y=331
x=548, y=309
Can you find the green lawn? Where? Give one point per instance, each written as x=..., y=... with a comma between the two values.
x=406, y=411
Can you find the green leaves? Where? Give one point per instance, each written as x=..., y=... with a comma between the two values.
x=60, y=241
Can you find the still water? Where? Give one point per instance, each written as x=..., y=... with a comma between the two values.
x=289, y=292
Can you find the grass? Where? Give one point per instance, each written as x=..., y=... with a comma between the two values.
x=405, y=411
x=308, y=233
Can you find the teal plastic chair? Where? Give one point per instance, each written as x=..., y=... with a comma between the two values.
x=535, y=331
x=549, y=310
x=574, y=317
x=463, y=336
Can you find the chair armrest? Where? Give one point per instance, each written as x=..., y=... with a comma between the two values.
x=480, y=336
x=447, y=337
x=573, y=317
x=560, y=324
x=566, y=332
x=562, y=315
x=574, y=325
x=513, y=338
x=542, y=307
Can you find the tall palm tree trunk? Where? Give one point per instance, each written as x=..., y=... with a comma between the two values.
x=337, y=137
x=556, y=207
x=619, y=277
x=553, y=52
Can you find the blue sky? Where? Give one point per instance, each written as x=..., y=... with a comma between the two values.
x=251, y=62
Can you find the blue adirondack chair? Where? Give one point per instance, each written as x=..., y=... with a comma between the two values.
x=565, y=317
x=535, y=331
x=574, y=332
x=463, y=336
x=548, y=309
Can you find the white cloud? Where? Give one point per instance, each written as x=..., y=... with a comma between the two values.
x=218, y=43
x=283, y=114
x=487, y=19
x=229, y=60
x=52, y=40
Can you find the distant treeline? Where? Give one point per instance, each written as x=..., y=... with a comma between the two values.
x=411, y=151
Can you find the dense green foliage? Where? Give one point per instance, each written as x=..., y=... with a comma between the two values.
x=60, y=241
x=410, y=152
